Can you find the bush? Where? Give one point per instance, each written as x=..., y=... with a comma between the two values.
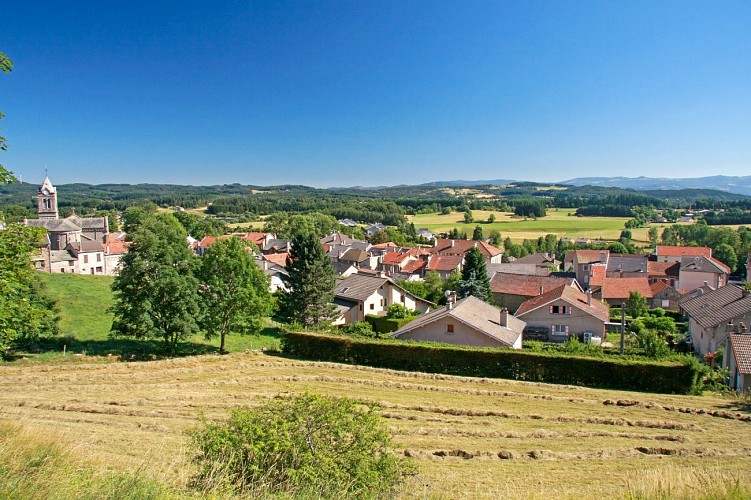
x=360, y=329
x=306, y=445
x=553, y=367
x=384, y=324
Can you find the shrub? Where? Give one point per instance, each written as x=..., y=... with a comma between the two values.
x=384, y=324
x=306, y=445
x=360, y=329
x=654, y=346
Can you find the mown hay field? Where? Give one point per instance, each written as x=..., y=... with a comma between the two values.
x=469, y=438
x=562, y=222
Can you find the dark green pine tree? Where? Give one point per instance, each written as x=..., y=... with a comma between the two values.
x=475, y=279
x=477, y=234
x=311, y=282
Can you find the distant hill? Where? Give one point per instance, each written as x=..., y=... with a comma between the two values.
x=739, y=185
x=462, y=183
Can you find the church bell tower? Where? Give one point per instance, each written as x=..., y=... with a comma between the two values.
x=47, y=200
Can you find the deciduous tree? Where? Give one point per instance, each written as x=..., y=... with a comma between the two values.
x=6, y=66
x=156, y=294
x=233, y=290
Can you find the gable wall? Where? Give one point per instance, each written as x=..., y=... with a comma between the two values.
x=462, y=334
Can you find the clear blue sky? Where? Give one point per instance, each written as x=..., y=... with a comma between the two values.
x=348, y=93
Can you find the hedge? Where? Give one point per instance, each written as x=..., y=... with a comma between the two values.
x=550, y=367
x=383, y=324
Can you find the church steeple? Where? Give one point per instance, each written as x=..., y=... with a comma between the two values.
x=47, y=200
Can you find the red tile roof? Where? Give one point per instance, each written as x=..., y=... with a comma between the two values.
x=741, y=344
x=280, y=259
x=257, y=238
x=388, y=244
x=529, y=286
x=663, y=269
x=588, y=256
x=597, y=275
x=394, y=258
x=207, y=241
x=445, y=262
x=658, y=286
x=572, y=296
x=460, y=247
x=619, y=288
x=678, y=251
x=413, y=266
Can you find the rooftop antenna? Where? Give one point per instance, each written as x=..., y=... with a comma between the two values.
x=45, y=171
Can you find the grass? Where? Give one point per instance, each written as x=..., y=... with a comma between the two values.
x=85, y=326
x=468, y=437
x=560, y=222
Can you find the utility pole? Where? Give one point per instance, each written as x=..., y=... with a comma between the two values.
x=623, y=329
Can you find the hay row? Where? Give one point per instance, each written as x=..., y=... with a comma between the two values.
x=538, y=434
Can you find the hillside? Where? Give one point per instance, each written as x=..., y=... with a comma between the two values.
x=731, y=184
x=468, y=437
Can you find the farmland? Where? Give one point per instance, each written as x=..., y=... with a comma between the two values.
x=561, y=222
x=468, y=437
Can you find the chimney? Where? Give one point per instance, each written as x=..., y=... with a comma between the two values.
x=589, y=296
x=542, y=289
x=742, y=327
x=504, y=317
x=450, y=299
x=706, y=283
x=452, y=243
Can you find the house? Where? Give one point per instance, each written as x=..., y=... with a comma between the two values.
x=444, y=246
x=672, y=253
x=426, y=234
x=616, y=291
x=361, y=294
x=582, y=262
x=627, y=266
x=699, y=270
x=511, y=290
x=737, y=360
x=664, y=296
x=469, y=322
x=259, y=239
x=275, y=273
x=544, y=260
x=347, y=222
x=667, y=272
x=90, y=255
x=715, y=314
x=518, y=269
x=115, y=248
x=563, y=312
x=444, y=265
x=374, y=228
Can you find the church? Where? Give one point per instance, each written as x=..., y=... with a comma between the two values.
x=81, y=245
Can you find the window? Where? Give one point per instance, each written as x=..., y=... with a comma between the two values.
x=559, y=330
x=450, y=328
x=85, y=259
x=70, y=263
x=560, y=310
x=383, y=302
x=372, y=306
x=99, y=257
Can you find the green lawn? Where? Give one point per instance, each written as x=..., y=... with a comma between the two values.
x=85, y=324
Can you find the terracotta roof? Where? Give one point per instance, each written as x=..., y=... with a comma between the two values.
x=207, y=241
x=571, y=295
x=478, y=315
x=620, y=288
x=678, y=251
x=718, y=306
x=529, y=286
x=115, y=245
x=589, y=256
x=597, y=275
x=280, y=259
x=663, y=269
x=388, y=244
x=658, y=286
x=257, y=238
x=741, y=344
x=394, y=258
x=445, y=262
x=460, y=247
x=413, y=266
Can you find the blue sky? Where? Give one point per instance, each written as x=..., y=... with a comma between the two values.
x=347, y=93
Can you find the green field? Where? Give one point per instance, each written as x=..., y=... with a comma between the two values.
x=561, y=222
x=85, y=324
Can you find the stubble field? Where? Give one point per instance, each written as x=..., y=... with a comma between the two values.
x=470, y=438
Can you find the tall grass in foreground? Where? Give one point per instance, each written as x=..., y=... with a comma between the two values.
x=32, y=467
x=689, y=483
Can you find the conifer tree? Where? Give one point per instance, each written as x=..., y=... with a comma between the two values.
x=311, y=282
x=475, y=279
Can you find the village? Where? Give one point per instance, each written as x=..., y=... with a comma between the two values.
x=539, y=297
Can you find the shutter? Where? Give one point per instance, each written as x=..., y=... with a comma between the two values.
x=566, y=329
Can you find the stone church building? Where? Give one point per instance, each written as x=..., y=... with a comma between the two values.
x=76, y=244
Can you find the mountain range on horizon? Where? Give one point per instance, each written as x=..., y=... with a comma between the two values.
x=731, y=184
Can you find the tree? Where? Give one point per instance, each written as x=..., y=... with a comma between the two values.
x=156, y=294
x=725, y=254
x=234, y=290
x=475, y=279
x=299, y=447
x=636, y=305
x=6, y=66
x=434, y=287
x=491, y=218
x=310, y=280
x=26, y=312
x=652, y=234
x=477, y=234
x=495, y=238
x=468, y=218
